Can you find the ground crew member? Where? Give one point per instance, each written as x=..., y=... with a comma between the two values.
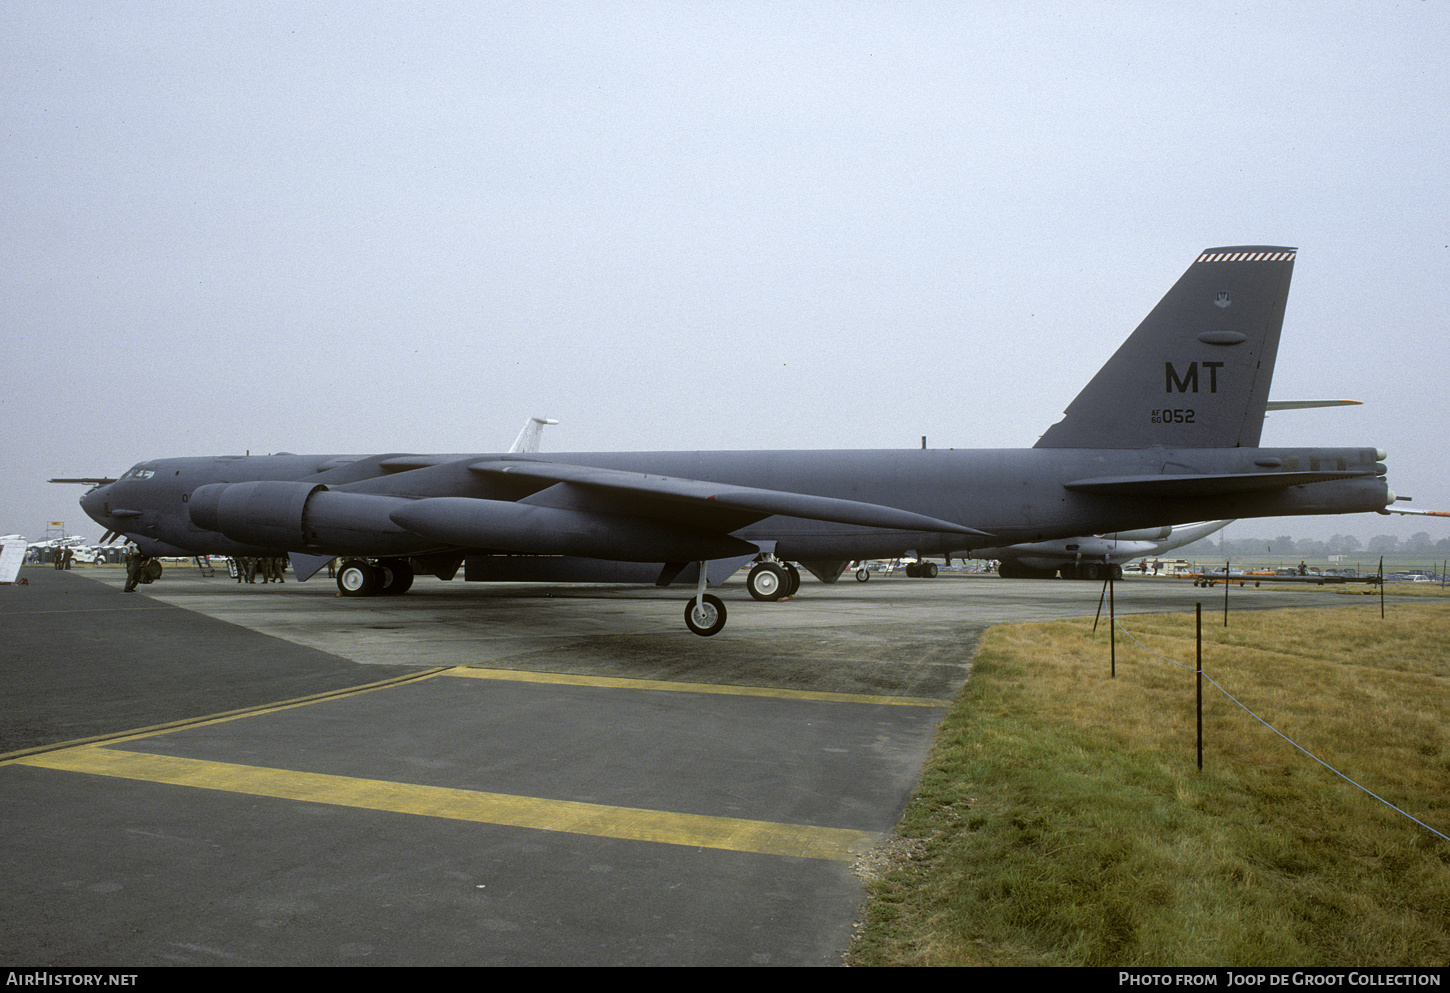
x=135, y=564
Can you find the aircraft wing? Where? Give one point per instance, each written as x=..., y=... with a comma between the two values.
x=406, y=463
x=718, y=505
x=1170, y=487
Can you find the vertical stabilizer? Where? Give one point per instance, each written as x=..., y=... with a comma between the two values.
x=531, y=437
x=1196, y=372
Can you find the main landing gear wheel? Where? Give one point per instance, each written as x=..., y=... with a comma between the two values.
x=705, y=615
x=357, y=578
x=395, y=577
x=863, y=575
x=794, y=575
x=767, y=581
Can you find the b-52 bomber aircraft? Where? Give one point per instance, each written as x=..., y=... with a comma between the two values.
x=1165, y=433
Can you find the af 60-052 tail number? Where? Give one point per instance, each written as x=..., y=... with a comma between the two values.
x=1178, y=415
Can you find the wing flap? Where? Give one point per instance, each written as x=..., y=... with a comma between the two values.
x=707, y=497
x=1207, y=485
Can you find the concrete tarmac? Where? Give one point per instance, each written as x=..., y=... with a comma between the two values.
x=472, y=774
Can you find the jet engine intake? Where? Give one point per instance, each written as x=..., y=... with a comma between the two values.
x=263, y=512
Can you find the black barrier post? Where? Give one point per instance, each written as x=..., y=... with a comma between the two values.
x=1382, y=587
x=1225, y=593
x=1198, y=634
x=1112, y=626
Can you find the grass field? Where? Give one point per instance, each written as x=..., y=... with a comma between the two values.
x=1062, y=819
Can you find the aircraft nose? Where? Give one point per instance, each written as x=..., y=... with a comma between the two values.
x=93, y=502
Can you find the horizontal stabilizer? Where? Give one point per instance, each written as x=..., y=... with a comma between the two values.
x=765, y=503
x=1274, y=405
x=88, y=480
x=1216, y=484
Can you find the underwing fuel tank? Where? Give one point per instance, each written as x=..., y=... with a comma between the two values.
x=502, y=525
x=1143, y=534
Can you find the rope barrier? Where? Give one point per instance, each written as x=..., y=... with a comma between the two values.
x=1280, y=733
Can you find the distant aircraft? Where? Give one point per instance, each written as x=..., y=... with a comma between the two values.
x=12, y=557
x=529, y=438
x=1165, y=433
x=1418, y=513
x=1094, y=556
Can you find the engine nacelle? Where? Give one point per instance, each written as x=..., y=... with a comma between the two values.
x=267, y=513
x=304, y=517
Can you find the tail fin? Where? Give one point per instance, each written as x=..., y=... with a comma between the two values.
x=1196, y=372
x=531, y=436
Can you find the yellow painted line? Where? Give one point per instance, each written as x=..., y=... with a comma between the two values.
x=612, y=682
x=598, y=820
x=228, y=715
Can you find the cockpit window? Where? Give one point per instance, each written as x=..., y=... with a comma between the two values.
x=139, y=473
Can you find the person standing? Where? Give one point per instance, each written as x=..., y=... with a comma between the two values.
x=135, y=564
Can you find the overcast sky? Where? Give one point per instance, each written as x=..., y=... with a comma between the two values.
x=365, y=227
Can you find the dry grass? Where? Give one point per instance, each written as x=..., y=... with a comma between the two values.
x=1063, y=821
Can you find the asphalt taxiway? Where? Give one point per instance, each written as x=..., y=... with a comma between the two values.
x=210, y=773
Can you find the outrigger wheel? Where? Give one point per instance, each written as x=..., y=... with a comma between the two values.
x=705, y=615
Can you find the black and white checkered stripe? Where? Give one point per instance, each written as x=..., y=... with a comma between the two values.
x=1246, y=257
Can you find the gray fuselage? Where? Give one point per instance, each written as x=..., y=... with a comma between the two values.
x=1010, y=496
